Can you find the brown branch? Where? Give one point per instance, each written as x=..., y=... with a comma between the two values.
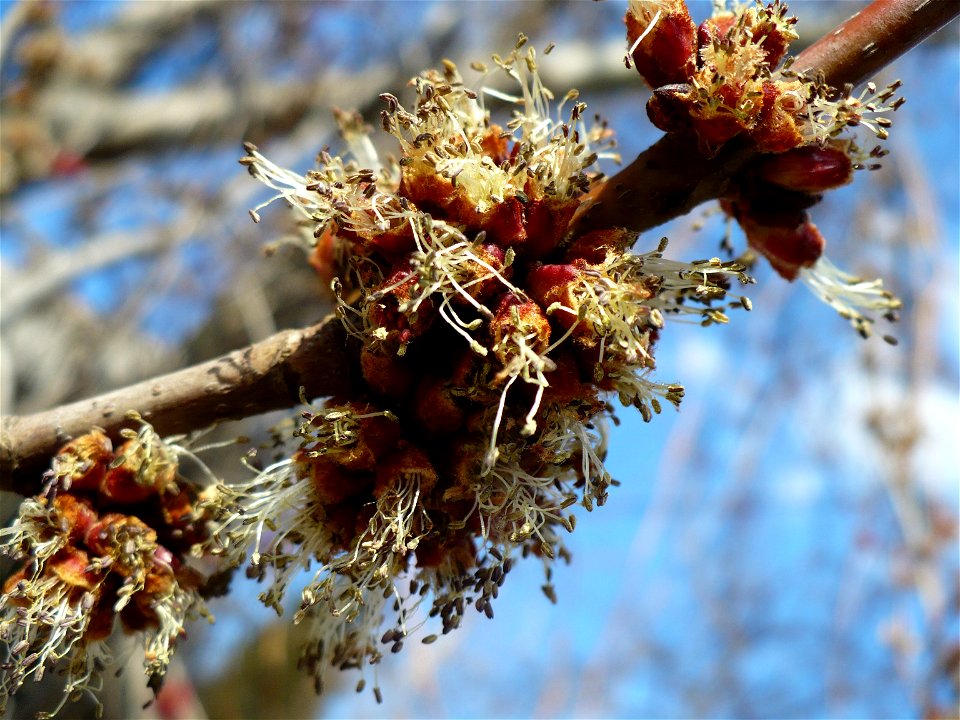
x=671, y=177
x=667, y=180
x=262, y=377
x=873, y=38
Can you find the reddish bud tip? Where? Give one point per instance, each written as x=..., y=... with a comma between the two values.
x=667, y=51
x=808, y=169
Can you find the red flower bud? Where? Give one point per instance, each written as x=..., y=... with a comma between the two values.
x=392, y=310
x=123, y=484
x=77, y=514
x=808, y=169
x=669, y=107
x=775, y=130
x=71, y=565
x=323, y=256
x=594, y=247
x=505, y=223
x=496, y=146
x=515, y=316
x=101, y=622
x=81, y=463
x=567, y=383
x=374, y=437
x=549, y=284
x=547, y=223
x=332, y=482
x=478, y=282
x=436, y=406
x=788, y=247
x=715, y=28
x=385, y=373
x=667, y=53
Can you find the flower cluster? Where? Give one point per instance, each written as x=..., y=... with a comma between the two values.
x=491, y=337
x=107, y=540
x=727, y=79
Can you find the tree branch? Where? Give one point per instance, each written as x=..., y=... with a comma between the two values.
x=262, y=377
x=873, y=38
x=667, y=180
x=671, y=177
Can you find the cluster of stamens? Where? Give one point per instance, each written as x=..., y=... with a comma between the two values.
x=106, y=541
x=491, y=337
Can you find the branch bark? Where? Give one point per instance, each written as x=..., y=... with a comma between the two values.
x=262, y=377
x=667, y=180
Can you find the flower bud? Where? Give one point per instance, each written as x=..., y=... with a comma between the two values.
x=436, y=406
x=518, y=317
x=788, y=247
x=662, y=40
x=547, y=223
x=775, y=130
x=332, y=482
x=405, y=465
x=397, y=309
x=385, y=373
x=669, y=107
x=808, y=169
x=82, y=462
x=77, y=514
x=72, y=566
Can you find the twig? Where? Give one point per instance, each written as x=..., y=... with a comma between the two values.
x=265, y=376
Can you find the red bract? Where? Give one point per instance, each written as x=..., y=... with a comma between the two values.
x=775, y=130
x=789, y=247
x=808, y=169
x=392, y=307
x=667, y=51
